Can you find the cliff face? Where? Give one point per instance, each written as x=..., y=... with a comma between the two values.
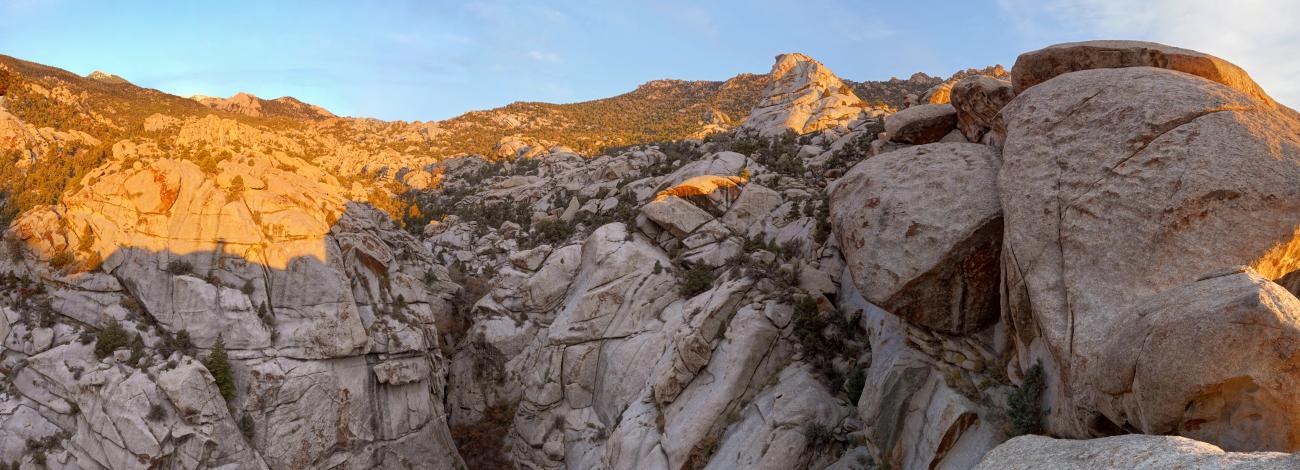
x=1086, y=249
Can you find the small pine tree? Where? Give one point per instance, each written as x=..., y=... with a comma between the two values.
x=218, y=364
x=246, y=426
x=823, y=229
x=1025, y=404
x=111, y=338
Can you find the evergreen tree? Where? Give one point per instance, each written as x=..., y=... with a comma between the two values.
x=218, y=364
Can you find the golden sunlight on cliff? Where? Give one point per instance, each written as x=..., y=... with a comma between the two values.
x=1281, y=260
x=174, y=206
x=702, y=185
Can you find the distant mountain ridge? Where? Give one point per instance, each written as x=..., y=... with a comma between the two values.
x=250, y=105
x=658, y=110
x=62, y=124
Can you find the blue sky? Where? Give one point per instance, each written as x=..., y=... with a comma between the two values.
x=437, y=59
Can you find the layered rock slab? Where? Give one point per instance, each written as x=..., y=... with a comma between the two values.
x=978, y=101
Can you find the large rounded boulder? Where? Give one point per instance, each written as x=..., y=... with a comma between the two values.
x=1212, y=360
x=1121, y=183
x=920, y=229
x=921, y=124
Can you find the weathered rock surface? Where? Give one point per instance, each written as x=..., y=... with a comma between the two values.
x=1132, y=451
x=803, y=96
x=320, y=301
x=1158, y=177
x=669, y=306
x=921, y=230
x=919, y=408
x=921, y=124
x=979, y=101
x=1211, y=360
x=1039, y=66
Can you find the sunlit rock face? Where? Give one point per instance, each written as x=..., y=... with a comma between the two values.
x=1042, y=65
x=1118, y=184
x=804, y=96
x=161, y=204
x=320, y=300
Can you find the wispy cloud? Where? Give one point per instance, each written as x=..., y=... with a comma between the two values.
x=554, y=16
x=544, y=56
x=1259, y=35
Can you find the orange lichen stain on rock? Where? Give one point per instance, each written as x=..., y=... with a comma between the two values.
x=702, y=185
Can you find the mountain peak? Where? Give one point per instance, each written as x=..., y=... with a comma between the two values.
x=106, y=77
x=791, y=60
x=803, y=96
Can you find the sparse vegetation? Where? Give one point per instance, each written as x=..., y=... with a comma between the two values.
x=1025, y=404
x=247, y=427
x=853, y=386
x=111, y=338
x=481, y=444
x=156, y=413
x=552, y=231
x=218, y=364
x=179, y=267
x=823, y=228
x=695, y=280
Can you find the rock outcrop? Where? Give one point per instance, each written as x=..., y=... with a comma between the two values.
x=922, y=124
x=1132, y=451
x=1158, y=178
x=1190, y=362
x=803, y=96
x=252, y=106
x=1039, y=66
x=319, y=299
x=262, y=285
x=921, y=231
x=979, y=101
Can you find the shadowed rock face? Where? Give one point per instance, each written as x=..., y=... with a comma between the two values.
x=921, y=124
x=979, y=101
